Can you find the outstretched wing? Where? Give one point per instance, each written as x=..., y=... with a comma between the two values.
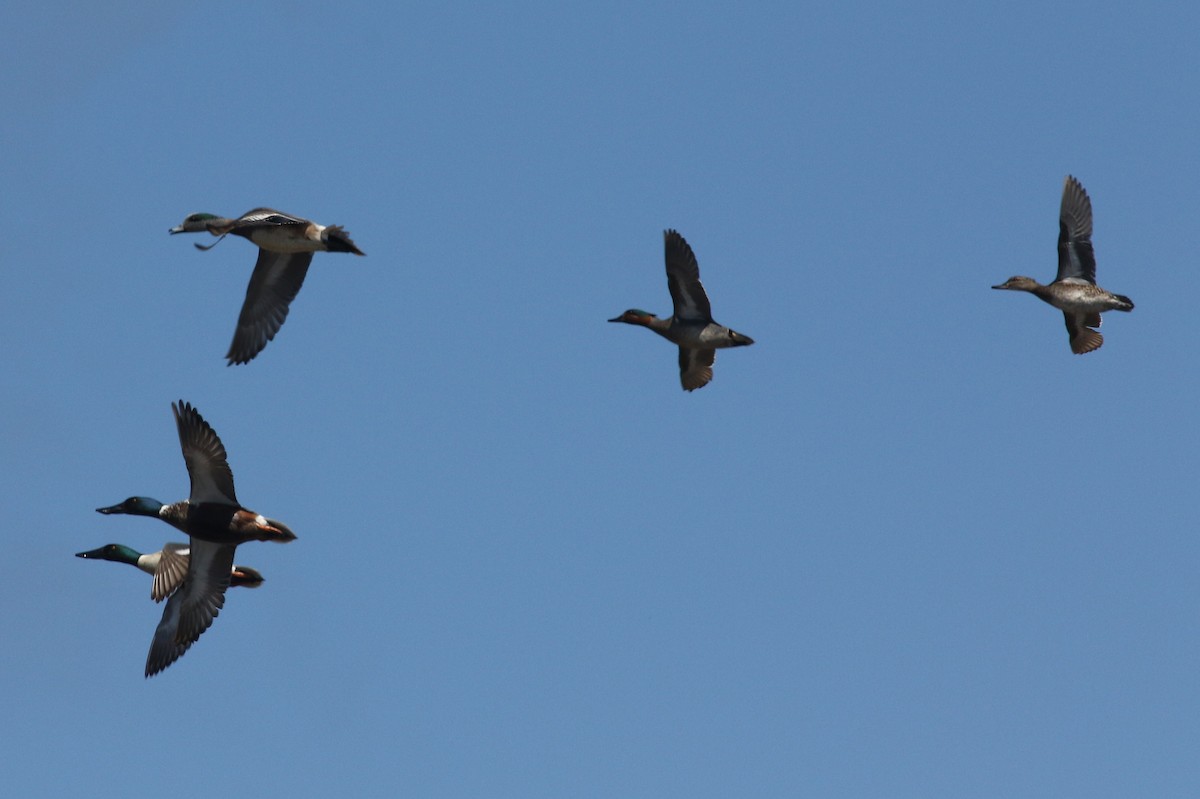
x=191, y=610
x=1079, y=328
x=695, y=367
x=683, y=279
x=276, y=281
x=172, y=569
x=204, y=454
x=1076, y=260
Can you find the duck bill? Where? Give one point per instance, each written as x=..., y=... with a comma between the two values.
x=1001, y=286
x=91, y=553
x=111, y=509
x=175, y=230
x=616, y=319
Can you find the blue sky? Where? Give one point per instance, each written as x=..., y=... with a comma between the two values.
x=906, y=545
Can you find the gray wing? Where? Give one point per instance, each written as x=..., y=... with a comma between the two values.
x=172, y=569
x=204, y=454
x=191, y=610
x=695, y=367
x=276, y=280
x=683, y=279
x=1076, y=260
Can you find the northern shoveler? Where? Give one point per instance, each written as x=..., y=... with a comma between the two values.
x=168, y=566
x=691, y=326
x=215, y=522
x=1074, y=290
x=285, y=249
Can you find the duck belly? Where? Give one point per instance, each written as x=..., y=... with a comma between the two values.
x=1083, y=299
x=693, y=337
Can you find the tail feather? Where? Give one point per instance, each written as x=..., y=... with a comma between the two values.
x=245, y=577
x=337, y=240
x=283, y=532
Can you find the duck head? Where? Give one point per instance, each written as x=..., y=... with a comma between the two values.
x=635, y=316
x=134, y=506
x=1018, y=283
x=195, y=223
x=116, y=552
x=199, y=223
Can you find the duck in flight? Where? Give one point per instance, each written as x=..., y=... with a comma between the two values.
x=285, y=249
x=168, y=566
x=1074, y=290
x=215, y=522
x=691, y=326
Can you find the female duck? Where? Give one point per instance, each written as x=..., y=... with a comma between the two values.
x=692, y=326
x=285, y=249
x=216, y=523
x=1074, y=290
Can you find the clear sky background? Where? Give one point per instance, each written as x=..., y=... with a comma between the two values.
x=906, y=545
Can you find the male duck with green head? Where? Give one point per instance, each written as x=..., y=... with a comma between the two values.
x=168, y=566
x=285, y=249
x=691, y=326
x=1074, y=290
x=215, y=522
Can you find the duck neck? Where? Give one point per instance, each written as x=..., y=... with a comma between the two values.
x=658, y=324
x=1043, y=293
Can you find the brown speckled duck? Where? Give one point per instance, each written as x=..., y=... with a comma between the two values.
x=1074, y=290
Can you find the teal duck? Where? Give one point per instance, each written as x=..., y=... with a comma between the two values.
x=1074, y=290
x=691, y=326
